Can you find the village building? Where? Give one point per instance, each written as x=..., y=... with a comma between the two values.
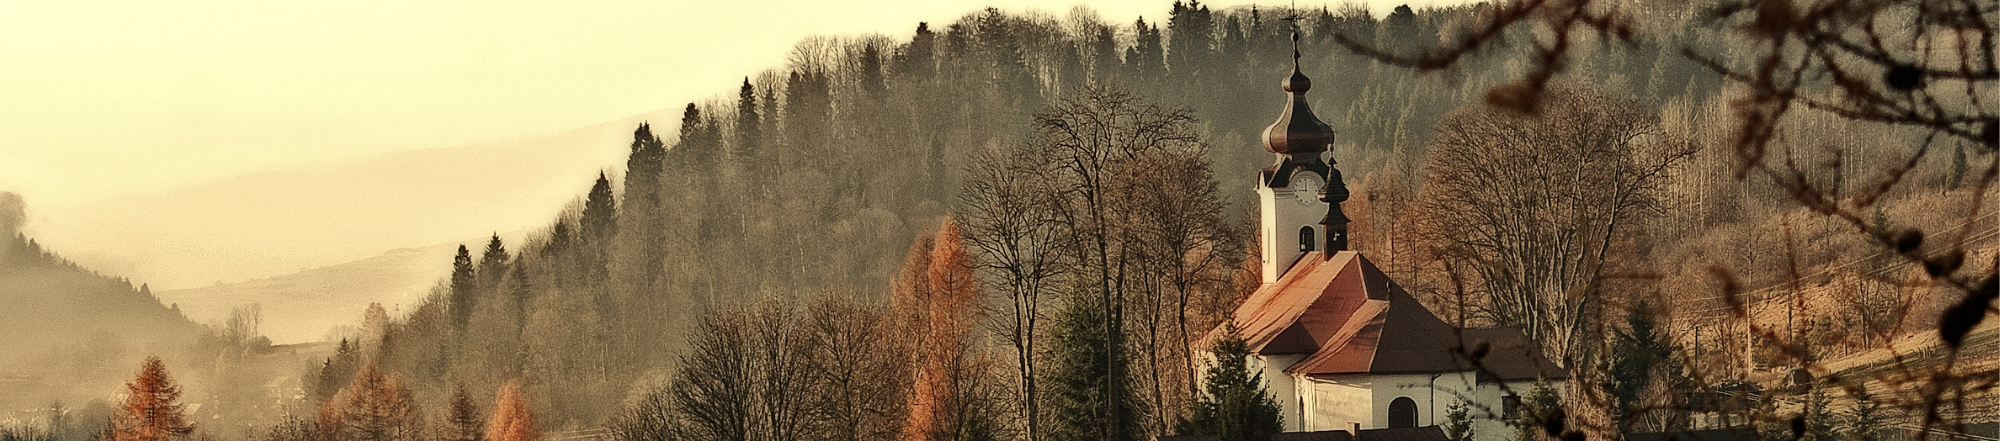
x=1342, y=347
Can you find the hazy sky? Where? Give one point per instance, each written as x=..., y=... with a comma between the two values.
x=103, y=98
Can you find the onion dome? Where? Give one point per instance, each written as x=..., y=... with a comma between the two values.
x=1297, y=131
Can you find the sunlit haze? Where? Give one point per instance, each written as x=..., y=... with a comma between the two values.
x=108, y=104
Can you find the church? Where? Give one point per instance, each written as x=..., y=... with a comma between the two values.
x=1342, y=347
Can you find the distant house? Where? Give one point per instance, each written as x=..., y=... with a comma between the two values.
x=1340, y=345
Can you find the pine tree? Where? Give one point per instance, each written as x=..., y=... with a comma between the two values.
x=512, y=421
x=559, y=239
x=462, y=296
x=600, y=213
x=1233, y=404
x=464, y=422
x=151, y=410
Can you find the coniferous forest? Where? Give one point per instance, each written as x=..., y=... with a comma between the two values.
x=1029, y=225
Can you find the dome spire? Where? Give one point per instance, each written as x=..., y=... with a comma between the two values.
x=1297, y=131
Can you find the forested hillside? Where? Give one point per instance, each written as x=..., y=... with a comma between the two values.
x=72, y=335
x=56, y=304
x=801, y=191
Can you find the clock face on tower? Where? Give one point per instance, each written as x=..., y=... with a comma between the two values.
x=1305, y=187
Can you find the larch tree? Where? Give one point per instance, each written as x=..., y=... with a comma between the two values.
x=940, y=405
x=152, y=410
x=512, y=419
x=910, y=292
x=377, y=406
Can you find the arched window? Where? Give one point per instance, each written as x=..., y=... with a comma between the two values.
x=1402, y=413
x=1305, y=239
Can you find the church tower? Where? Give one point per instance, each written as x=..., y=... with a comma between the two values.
x=1301, y=194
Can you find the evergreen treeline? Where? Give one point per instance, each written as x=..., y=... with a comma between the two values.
x=815, y=175
x=57, y=303
x=807, y=183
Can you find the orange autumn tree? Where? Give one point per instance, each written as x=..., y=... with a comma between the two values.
x=940, y=403
x=375, y=406
x=512, y=421
x=151, y=411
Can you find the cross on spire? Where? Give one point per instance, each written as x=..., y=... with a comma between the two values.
x=1293, y=19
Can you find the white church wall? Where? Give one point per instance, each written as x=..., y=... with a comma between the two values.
x=1339, y=402
x=1433, y=394
x=1281, y=386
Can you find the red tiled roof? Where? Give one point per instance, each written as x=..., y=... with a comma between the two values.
x=1352, y=319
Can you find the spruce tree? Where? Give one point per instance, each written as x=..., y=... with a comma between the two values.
x=1819, y=420
x=1146, y=58
x=641, y=222
x=463, y=276
x=1191, y=29
x=1080, y=380
x=1233, y=404
x=873, y=86
x=493, y=262
x=916, y=58
x=1458, y=421
x=463, y=423
x=1638, y=354
x=1865, y=421
x=749, y=126
x=695, y=144
x=600, y=213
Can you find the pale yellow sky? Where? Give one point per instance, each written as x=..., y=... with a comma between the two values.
x=108, y=98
